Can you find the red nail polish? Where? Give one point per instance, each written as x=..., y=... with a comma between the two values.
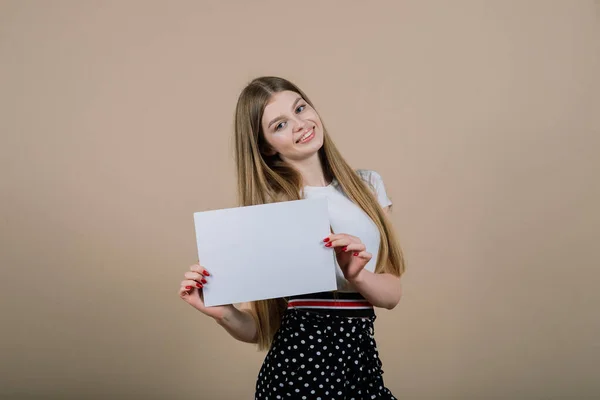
x=328, y=245
x=205, y=273
x=356, y=254
x=198, y=285
x=203, y=280
x=326, y=240
x=345, y=248
x=188, y=287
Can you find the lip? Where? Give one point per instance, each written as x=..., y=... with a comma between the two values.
x=309, y=138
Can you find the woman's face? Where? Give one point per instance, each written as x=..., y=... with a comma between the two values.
x=292, y=127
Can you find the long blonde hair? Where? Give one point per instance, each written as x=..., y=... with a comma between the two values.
x=264, y=178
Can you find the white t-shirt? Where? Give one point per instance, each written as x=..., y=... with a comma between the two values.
x=347, y=217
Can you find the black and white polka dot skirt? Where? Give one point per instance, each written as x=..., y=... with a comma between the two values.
x=317, y=355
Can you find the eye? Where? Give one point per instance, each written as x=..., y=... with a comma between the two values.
x=300, y=109
x=279, y=126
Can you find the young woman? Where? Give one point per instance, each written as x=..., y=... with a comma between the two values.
x=320, y=346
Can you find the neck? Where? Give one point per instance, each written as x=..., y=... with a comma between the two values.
x=311, y=170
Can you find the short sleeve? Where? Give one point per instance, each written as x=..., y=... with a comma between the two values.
x=375, y=181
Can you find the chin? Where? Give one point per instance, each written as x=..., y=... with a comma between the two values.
x=317, y=143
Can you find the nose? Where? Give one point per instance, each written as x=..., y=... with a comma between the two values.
x=299, y=124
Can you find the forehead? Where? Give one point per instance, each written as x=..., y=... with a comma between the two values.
x=280, y=103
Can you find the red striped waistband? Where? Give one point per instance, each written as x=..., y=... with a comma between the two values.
x=353, y=304
x=329, y=304
x=341, y=304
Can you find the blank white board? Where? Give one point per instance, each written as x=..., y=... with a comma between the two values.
x=265, y=251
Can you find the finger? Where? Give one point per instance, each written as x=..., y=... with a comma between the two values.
x=184, y=291
x=196, y=277
x=338, y=243
x=336, y=236
x=365, y=255
x=190, y=283
x=355, y=247
x=199, y=269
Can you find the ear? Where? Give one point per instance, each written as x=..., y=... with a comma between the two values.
x=264, y=147
x=269, y=151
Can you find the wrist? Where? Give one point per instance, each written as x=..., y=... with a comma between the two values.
x=359, y=278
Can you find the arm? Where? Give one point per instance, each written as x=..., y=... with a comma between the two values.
x=239, y=323
x=381, y=290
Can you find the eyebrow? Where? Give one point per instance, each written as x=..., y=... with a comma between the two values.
x=281, y=116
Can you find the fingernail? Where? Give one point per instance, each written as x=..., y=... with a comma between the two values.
x=344, y=249
x=326, y=240
x=198, y=285
x=203, y=280
x=356, y=254
x=205, y=273
x=188, y=287
x=328, y=245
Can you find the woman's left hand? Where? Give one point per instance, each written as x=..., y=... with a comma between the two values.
x=351, y=254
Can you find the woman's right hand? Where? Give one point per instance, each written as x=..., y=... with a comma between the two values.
x=191, y=292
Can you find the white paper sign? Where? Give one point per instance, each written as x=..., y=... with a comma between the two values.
x=265, y=251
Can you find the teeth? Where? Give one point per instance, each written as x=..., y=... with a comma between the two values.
x=307, y=134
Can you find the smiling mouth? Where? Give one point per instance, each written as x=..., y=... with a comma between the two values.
x=306, y=135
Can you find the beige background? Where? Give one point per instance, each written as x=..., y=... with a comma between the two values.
x=481, y=116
